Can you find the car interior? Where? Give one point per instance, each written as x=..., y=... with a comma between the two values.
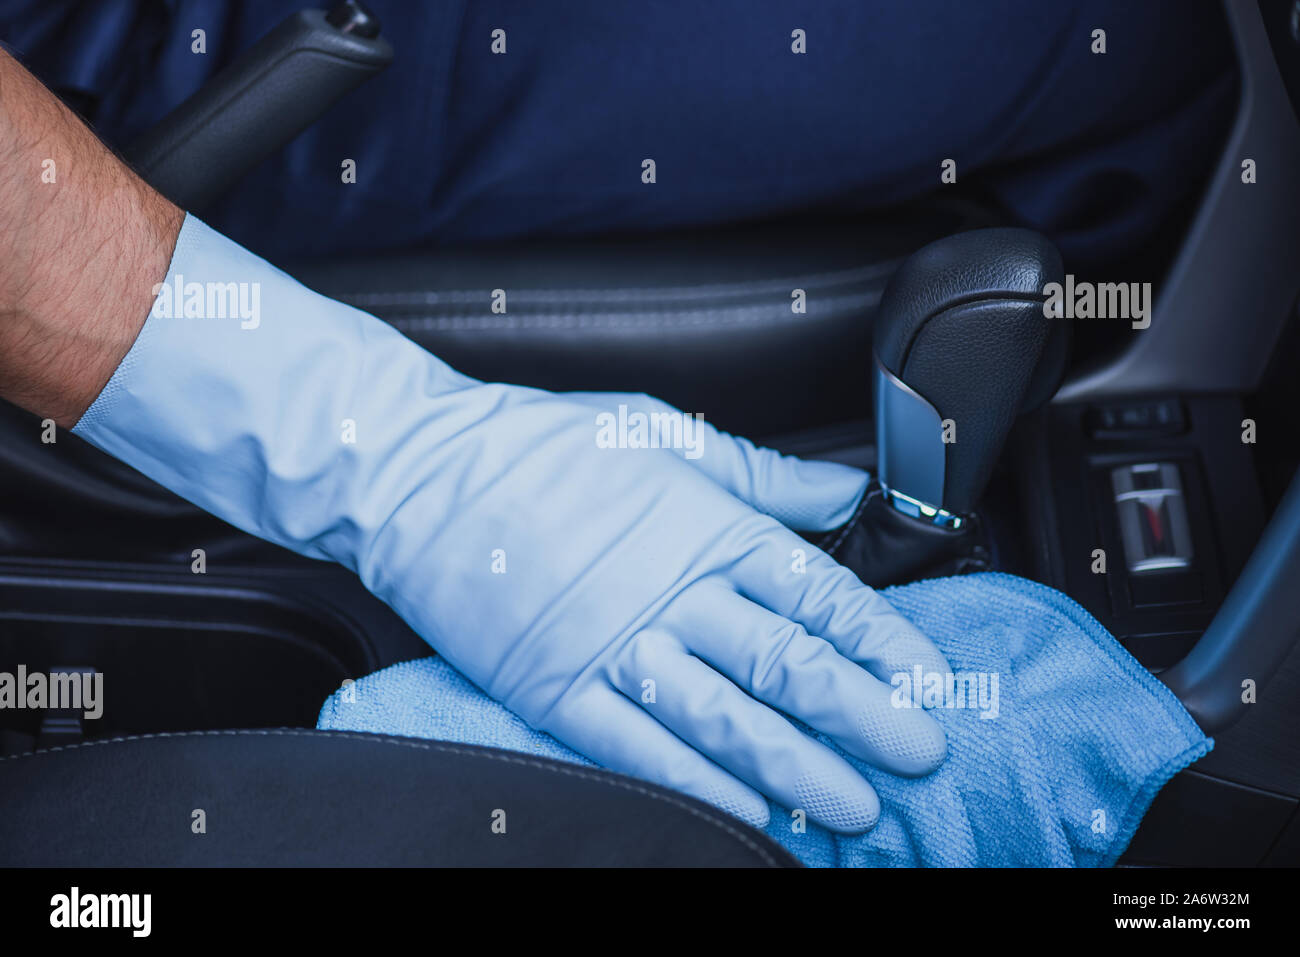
x=1168, y=453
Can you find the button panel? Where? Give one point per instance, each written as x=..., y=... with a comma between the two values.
x=1136, y=420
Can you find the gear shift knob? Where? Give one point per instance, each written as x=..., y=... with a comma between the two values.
x=957, y=341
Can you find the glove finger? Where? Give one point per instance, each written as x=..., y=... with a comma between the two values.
x=777, y=661
x=807, y=495
x=832, y=603
x=601, y=723
x=745, y=737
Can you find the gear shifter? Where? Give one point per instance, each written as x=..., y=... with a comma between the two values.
x=957, y=347
x=957, y=344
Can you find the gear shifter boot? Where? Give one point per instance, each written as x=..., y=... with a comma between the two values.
x=883, y=546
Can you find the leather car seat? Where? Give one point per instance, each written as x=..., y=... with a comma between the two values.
x=298, y=797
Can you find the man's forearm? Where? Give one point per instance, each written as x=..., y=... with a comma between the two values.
x=83, y=241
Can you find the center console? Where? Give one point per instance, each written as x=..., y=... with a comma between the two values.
x=1144, y=511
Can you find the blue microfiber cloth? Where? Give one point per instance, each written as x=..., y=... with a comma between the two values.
x=1079, y=737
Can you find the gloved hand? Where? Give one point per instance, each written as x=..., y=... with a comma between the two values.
x=645, y=606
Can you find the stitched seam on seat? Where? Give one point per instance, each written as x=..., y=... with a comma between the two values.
x=632, y=306
x=665, y=319
x=504, y=756
x=565, y=297
x=754, y=287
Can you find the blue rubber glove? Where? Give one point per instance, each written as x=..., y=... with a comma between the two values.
x=646, y=606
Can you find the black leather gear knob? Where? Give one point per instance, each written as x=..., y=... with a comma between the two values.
x=957, y=344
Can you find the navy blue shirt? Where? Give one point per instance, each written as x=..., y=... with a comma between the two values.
x=456, y=143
